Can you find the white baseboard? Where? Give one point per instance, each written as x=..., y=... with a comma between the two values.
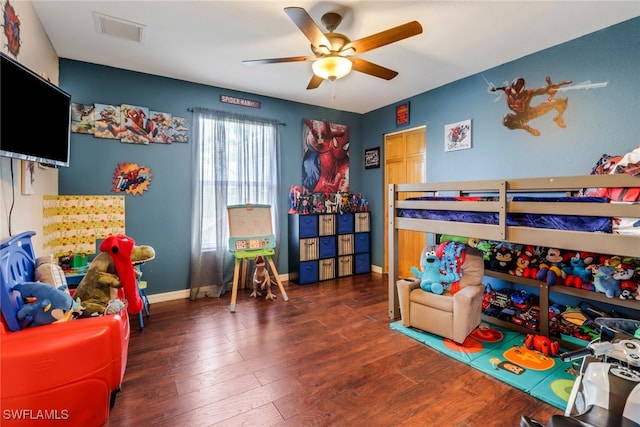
x=185, y=293
x=169, y=296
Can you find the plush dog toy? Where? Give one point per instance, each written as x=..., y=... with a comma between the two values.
x=261, y=280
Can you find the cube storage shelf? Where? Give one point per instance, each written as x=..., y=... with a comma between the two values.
x=327, y=246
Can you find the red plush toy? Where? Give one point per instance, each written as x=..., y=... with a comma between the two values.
x=120, y=247
x=543, y=344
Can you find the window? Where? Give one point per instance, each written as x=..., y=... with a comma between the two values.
x=238, y=165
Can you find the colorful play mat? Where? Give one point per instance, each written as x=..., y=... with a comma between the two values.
x=501, y=353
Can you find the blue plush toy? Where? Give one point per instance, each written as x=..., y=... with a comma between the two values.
x=44, y=304
x=605, y=283
x=430, y=276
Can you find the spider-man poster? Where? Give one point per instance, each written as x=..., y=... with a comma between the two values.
x=325, y=164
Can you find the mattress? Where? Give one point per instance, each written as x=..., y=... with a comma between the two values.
x=555, y=222
x=626, y=226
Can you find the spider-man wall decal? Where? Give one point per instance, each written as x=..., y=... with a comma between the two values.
x=11, y=29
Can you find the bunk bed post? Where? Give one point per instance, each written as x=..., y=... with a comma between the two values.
x=502, y=214
x=543, y=301
x=392, y=232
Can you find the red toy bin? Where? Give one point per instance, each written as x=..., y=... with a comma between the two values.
x=63, y=373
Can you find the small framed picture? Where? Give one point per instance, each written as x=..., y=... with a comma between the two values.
x=372, y=158
x=457, y=136
x=402, y=114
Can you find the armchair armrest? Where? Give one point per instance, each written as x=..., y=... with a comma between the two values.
x=405, y=286
x=465, y=295
x=467, y=306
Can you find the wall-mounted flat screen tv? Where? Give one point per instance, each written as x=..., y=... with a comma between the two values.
x=35, y=116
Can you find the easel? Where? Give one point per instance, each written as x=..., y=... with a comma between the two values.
x=250, y=235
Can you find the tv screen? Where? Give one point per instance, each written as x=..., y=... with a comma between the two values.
x=35, y=116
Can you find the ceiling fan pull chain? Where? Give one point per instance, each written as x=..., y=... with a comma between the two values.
x=333, y=91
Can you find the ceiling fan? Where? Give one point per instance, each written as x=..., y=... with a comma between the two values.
x=334, y=52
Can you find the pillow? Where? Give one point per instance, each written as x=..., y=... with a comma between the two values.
x=47, y=271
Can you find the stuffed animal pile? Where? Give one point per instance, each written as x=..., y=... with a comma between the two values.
x=111, y=270
x=47, y=300
x=441, y=268
x=619, y=278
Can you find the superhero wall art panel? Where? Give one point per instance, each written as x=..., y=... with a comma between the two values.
x=325, y=162
x=136, y=128
x=129, y=123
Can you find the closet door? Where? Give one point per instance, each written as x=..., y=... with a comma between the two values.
x=405, y=155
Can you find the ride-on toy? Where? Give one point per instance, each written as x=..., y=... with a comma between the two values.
x=607, y=391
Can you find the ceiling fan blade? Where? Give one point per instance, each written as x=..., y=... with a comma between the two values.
x=277, y=60
x=364, y=66
x=386, y=37
x=314, y=82
x=301, y=18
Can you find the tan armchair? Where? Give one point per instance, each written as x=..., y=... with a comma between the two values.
x=446, y=315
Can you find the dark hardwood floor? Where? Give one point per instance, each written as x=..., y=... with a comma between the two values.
x=325, y=357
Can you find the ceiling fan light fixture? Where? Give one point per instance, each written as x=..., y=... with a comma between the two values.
x=331, y=67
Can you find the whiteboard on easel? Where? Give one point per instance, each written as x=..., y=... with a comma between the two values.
x=250, y=227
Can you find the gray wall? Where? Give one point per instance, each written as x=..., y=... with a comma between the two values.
x=599, y=121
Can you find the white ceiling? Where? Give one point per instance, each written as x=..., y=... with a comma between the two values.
x=206, y=41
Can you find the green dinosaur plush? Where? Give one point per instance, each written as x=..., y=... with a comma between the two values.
x=100, y=284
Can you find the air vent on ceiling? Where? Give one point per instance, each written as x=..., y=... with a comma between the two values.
x=116, y=27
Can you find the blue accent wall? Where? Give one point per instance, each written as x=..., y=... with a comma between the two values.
x=160, y=216
x=598, y=120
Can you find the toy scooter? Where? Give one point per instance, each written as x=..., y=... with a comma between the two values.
x=607, y=391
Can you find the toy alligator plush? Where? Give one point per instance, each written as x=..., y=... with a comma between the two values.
x=109, y=271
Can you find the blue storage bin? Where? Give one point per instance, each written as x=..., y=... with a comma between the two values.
x=361, y=242
x=308, y=272
x=327, y=247
x=363, y=264
x=308, y=225
x=345, y=223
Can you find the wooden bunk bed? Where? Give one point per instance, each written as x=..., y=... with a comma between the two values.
x=498, y=197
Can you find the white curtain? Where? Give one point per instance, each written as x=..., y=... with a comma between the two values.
x=235, y=160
